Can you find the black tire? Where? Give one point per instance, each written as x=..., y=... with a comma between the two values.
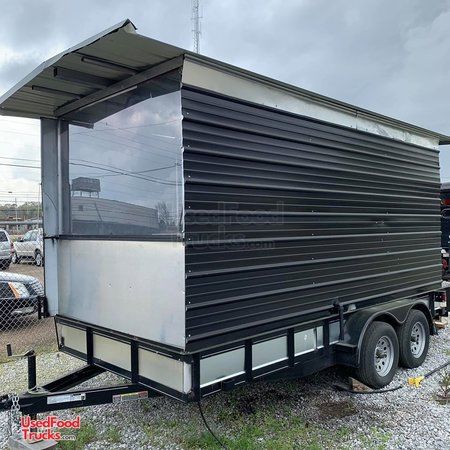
x=38, y=258
x=413, y=353
x=367, y=371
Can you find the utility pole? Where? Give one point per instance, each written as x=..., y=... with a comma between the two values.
x=17, y=217
x=39, y=206
x=196, y=24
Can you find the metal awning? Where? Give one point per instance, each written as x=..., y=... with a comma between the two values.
x=117, y=58
x=112, y=56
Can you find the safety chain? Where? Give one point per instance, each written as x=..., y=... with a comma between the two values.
x=14, y=414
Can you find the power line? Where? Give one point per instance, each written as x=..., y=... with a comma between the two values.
x=123, y=172
x=20, y=159
x=139, y=172
x=20, y=165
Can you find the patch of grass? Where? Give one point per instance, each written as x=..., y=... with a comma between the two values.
x=169, y=424
x=112, y=435
x=201, y=441
x=343, y=432
x=245, y=419
x=146, y=405
x=85, y=435
x=444, y=388
x=268, y=430
x=376, y=439
x=250, y=437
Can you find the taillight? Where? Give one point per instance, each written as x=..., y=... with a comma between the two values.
x=11, y=248
x=441, y=296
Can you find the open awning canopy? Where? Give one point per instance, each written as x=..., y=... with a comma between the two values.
x=118, y=59
x=102, y=61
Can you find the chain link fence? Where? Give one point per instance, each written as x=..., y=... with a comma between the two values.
x=23, y=321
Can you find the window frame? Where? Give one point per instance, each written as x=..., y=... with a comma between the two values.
x=64, y=188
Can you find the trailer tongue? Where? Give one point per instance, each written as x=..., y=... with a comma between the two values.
x=206, y=227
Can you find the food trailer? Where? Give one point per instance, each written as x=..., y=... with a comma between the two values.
x=206, y=226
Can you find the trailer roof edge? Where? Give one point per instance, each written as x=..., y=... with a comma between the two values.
x=49, y=62
x=106, y=58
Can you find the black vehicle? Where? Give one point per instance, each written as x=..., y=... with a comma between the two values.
x=445, y=228
x=19, y=296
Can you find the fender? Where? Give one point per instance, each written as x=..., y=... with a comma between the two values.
x=394, y=313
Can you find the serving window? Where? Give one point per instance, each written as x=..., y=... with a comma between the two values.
x=125, y=173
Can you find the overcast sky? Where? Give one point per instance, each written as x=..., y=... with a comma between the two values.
x=392, y=57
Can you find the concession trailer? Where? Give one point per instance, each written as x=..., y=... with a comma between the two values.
x=206, y=226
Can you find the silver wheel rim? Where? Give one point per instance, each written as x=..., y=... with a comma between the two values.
x=384, y=356
x=38, y=259
x=418, y=338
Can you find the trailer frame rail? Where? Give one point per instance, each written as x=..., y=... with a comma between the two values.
x=57, y=394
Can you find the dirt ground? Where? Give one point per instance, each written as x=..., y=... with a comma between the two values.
x=28, y=269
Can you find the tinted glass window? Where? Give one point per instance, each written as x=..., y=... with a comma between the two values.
x=125, y=172
x=3, y=237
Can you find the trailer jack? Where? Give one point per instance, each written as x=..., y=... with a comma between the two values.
x=31, y=358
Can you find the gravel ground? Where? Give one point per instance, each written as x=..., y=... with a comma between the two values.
x=306, y=413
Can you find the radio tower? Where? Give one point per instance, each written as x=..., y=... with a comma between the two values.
x=196, y=24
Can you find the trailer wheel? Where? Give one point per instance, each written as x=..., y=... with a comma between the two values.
x=414, y=339
x=379, y=355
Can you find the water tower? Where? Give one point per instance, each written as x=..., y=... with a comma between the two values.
x=85, y=187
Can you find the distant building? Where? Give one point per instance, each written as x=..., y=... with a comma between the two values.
x=93, y=215
x=85, y=186
x=17, y=227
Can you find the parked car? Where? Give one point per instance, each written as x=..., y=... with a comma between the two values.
x=30, y=247
x=19, y=296
x=6, y=250
x=445, y=264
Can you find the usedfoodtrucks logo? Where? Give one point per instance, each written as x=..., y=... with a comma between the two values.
x=48, y=428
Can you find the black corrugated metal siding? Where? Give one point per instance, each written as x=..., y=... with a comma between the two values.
x=284, y=214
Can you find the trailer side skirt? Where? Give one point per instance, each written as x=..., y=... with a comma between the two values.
x=293, y=352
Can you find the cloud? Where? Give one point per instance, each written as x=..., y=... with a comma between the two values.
x=391, y=57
